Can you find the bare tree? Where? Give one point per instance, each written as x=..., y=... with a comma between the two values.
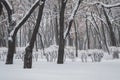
x=62, y=40
x=13, y=33
x=29, y=48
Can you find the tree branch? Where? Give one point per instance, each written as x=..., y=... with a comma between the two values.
x=102, y=4
x=24, y=19
x=72, y=18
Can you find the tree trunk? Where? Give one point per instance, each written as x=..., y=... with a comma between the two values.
x=11, y=51
x=11, y=48
x=29, y=49
x=62, y=40
x=76, y=39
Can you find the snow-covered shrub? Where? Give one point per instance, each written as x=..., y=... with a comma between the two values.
x=51, y=53
x=70, y=53
x=95, y=55
x=35, y=55
x=20, y=52
x=83, y=55
x=114, y=51
x=3, y=53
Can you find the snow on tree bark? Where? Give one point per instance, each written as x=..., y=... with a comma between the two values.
x=29, y=48
x=72, y=17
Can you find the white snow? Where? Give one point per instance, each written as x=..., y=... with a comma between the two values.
x=65, y=33
x=72, y=16
x=41, y=2
x=107, y=69
x=42, y=70
x=74, y=11
x=10, y=38
x=65, y=1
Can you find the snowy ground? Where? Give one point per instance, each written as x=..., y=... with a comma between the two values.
x=42, y=70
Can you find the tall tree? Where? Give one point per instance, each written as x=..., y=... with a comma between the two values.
x=29, y=48
x=11, y=25
x=62, y=40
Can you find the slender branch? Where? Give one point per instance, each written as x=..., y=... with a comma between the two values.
x=72, y=18
x=102, y=4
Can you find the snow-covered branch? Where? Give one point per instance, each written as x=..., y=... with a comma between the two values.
x=65, y=1
x=101, y=19
x=102, y=4
x=9, y=4
x=8, y=8
x=24, y=19
x=72, y=17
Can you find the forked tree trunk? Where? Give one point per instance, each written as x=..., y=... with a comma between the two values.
x=11, y=42
x=29, y=48
x=11, y=48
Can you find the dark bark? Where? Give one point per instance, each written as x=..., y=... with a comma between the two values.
x=28, y=57
x=11, y=51
x=76, y=39
x=62, y=40
x=29, y=49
